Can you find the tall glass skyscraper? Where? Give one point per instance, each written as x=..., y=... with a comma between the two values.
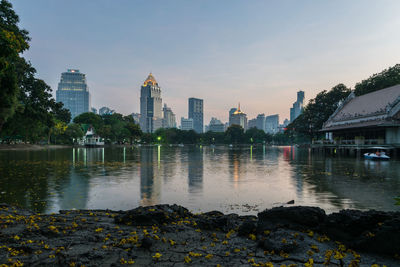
x=150, y=105
x=73, y=92
x=297, y=108
x=196, y=113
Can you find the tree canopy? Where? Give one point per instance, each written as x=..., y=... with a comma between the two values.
x=386, y=78
x=13, y=41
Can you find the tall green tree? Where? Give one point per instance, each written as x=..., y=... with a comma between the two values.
x=37, y=112
x=13, y=41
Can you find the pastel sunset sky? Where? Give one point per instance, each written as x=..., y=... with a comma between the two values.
x=257, y=52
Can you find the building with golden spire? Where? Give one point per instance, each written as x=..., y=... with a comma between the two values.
x=238, y=117
x=150, y=105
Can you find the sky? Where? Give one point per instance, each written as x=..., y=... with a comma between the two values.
x=258, y=53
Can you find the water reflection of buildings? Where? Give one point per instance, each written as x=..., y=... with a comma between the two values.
x=169, y=163
x=235, y=166
x=195, y=169
x=150, y=184
x=73, y=188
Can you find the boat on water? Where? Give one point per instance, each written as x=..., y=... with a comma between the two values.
x=380, y=154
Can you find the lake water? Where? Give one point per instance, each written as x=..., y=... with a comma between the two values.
x=243, y=180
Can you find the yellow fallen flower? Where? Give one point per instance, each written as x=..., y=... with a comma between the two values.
x=157, y=256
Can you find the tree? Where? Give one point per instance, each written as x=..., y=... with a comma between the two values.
x=73, y=132
x=318, y=111
x=13, y=41
x=58, y=129
x=254, y=135
x=90, y=118
x=61, y=113
x=234, y=134
x=134, y=131
x=384, y=79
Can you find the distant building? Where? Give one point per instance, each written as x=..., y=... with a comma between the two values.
x=252, y=123
x=297, y=108
x=186, y=124
x=93, y=110
x=216, y=126
x=196, y=113
x=231, y=111
x=238, y=117
x=73, y=92
x=136, y=117
x=226, y=125
x=260, y=122
x=272, y=124
x=169, y=119
x=286, y=122
x=106, y=111
x=150, y=105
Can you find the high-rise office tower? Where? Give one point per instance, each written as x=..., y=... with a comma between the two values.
x=297, y=108
x=272, y=124
x=196, y=113
x=169, y=119
x=260, y=122
x=150, y=105
x=238, y=117
x=73, y=92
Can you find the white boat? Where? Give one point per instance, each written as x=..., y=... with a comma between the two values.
x=379, y=155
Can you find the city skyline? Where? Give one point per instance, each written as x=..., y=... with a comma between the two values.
x=231, y=51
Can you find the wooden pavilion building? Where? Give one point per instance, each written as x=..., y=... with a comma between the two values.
x=365, y=121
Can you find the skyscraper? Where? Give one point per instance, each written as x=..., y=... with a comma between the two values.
x=169, y=119
x=260, y=122
x=272, y=124
x=73, y=92
x=297, y=108
x=252, y=123
x=238, y=117
x=150, y=105
x=196, y=113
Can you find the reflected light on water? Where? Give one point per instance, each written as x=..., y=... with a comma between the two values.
x=244, y=180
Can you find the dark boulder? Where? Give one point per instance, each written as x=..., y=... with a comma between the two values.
x=153, y=215
x=247, y=227
x=297, y=218
x=373, y=231
x=215, y=220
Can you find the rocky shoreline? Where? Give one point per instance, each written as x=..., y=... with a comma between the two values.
x=170, y=235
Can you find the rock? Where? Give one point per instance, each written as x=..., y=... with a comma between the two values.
x=146, y=243
x=151, y=215
x=215, y=220
x=297, y=217
x=373, y=231
x=290, y=202
x=247, y=227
